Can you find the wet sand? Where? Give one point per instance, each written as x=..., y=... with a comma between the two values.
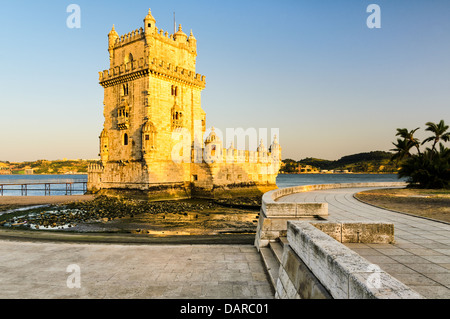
x=175, y=222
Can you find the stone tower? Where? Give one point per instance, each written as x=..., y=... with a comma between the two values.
x=151, y=92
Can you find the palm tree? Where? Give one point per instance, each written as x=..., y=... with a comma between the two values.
x=402, y=149
x=409, y=136
x=440, y=133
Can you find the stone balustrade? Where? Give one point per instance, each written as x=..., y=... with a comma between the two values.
x=315, y=265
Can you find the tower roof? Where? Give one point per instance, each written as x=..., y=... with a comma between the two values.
x=149, y=16
x=191, y=36
x=261, y=147
x=113, y=31
x=180, y=34
x=212, y=137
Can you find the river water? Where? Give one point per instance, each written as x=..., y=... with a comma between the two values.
x=77, y=189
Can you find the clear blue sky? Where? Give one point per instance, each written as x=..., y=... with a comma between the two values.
x=311, y=68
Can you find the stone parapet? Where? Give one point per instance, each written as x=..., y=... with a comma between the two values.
x=342, y=272
x=358, y=232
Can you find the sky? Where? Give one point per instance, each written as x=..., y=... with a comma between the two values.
x=311, y=69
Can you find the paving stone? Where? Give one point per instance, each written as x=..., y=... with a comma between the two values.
x=428, y=268
x=442, y=259
x=432, y=292
x=423, y=251
x=380, y=259
x=393, y=252
x=415, y=279
x=396, y=268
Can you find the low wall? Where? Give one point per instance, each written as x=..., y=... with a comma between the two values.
x=358, y=232
x=315, y=265
x=274, y=215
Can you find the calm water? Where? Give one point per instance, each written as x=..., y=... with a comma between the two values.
x=282, y=181
x=39, y=190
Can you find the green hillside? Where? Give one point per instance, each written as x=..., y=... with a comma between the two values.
x=370, y=162
x=47, y=167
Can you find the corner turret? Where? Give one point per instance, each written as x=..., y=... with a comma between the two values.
x=275, y=149
x=180, y=36
x=192, y=42
x=213, y=148
x=261, y=148
x=149, y=26
x=112, y=38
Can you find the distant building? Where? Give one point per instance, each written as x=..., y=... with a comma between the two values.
x=152, y=101
x=307, y=169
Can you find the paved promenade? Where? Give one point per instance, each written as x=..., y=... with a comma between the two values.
x=420, y=257
x=39, y=270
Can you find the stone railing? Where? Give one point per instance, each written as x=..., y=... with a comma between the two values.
x=316, y=265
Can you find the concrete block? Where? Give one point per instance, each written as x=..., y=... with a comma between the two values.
x=312, y=209
x=370, y=232
x=334, y=230
x=280, y=210
x=266, y=224
x=278, y=224
x=270, y=234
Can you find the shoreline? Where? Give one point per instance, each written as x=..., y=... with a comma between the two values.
x=123, y=238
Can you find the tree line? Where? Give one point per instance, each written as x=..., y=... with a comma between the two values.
x=425, y=164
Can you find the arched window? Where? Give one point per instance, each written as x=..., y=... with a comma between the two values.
x=148, y=137
x=177, y=117
x=125, y=139
x=128, y=58
x=174, y=90
x=125, y=89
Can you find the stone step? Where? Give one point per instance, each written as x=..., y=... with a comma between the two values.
x=283, y=241
x=277, y=250
x=271, y=263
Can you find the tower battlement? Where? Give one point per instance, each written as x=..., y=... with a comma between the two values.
x=155, y=66
x=158, y=34
x=135, y=35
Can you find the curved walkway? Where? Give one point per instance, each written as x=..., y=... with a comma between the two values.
x=420, y=257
